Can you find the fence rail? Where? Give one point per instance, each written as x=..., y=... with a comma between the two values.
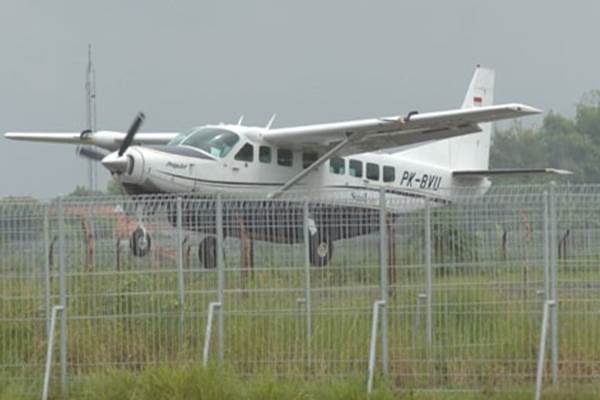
x=464, y=286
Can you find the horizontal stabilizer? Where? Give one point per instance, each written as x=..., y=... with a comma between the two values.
x=481, y=173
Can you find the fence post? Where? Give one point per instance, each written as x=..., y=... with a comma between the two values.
x=62, y=262
x=546, y=246
x=554, y=280
x=208, y=333
x=307, y=284
x=429, y=288
x=383, y=279
x=180, y=281
x=50, y=350
x=47, y=268
x=542, y=352
x=220, y=279
x=379, y=304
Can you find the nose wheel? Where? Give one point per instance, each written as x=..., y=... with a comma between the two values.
x=140, y=242
x=207, y=252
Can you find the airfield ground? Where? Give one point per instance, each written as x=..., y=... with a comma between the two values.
x=189, y=382
x=345, y=336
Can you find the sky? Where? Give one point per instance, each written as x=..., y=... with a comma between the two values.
x=190, y=63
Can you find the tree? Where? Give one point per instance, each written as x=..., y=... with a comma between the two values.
x=517, y=147
x=587, y=116
x=82, y=191
x=113, y=188
x=561, y=142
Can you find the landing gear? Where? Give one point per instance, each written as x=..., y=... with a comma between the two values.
x=207, y=252
x=320, y=249
x=140, y=242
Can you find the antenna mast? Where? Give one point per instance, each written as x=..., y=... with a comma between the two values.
x=90, y=91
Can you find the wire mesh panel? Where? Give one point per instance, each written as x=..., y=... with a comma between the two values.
x=577, y=245
x=487, y=270
x=343, y=291
x=263, y=289
x=464, y=283
x=25, y=238
x=121, y=301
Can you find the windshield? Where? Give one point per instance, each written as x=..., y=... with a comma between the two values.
x=179, y=138
x=215, y=141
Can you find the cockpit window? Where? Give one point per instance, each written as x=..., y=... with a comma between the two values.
x=179, y=138
x=215, y=141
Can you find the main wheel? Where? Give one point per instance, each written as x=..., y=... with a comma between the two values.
x=207, y=252
x=320, y=249
x=171, y=211
x=140, y=242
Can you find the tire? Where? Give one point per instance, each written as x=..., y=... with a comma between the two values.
x=140, y=242
x=320, y=249
x=171, y=210
x=207, y=252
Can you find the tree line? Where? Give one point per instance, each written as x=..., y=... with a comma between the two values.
x=571, y=143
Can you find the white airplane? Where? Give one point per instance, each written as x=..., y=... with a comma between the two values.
x=423, y=155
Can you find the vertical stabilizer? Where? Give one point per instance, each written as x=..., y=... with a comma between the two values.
x=463, y=152
x=473, y=151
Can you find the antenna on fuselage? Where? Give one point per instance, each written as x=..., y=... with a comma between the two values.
x=271, y=121
x=241, y=120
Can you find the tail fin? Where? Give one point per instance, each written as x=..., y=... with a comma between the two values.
x=463, y=152
x=473, y=151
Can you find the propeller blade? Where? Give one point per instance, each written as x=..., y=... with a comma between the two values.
x=137, y=122
x=91, y=153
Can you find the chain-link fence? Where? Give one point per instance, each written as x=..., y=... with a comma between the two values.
x=463, y=283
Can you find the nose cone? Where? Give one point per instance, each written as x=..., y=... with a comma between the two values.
x=115, y=163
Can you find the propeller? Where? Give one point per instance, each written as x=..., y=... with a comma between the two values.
x=116, y=163
x=137, y=122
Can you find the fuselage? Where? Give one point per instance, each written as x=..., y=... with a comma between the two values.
x=234, y=160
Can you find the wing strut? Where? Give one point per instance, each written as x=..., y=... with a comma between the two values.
x=313, y=166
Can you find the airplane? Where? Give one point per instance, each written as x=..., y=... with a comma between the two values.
x=428, y=156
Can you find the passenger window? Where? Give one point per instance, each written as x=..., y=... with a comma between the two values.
x=246, y=153
x=309, y=157
x=372, y=172
x=337, y=165
x=389, y=174
x=285, y=157
x=264, y=154
x=356, y=168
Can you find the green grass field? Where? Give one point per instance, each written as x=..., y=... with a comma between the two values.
x=192, y=382
x=123, y=334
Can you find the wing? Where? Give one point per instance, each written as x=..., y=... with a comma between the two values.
x=108, y=140
x=369, y=135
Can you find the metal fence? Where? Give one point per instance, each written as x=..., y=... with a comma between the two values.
x=464, y=285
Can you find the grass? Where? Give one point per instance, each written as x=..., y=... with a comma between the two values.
x=485, y=324
x=192, y=382
x=485, y=335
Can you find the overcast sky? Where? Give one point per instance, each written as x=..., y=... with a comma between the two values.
x=191, y=63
